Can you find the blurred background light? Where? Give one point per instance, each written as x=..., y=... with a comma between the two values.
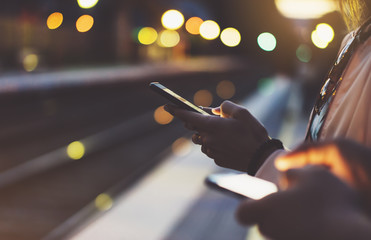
x=162, y=117
x=87, y=3
x=30, y=62
x=172, y=19
x=84, y=23
x=193, y=25
x=203, y=98
x=147, y=35
x=103, y=202
x=322, y=35
x=267, y=41
x=305, y=9
x=209, y=30
x=325, y=32
x=304, y=53
x=225, y=89
x=168, y=38
x=76, y=150
x=181, y=147
x=230, y=37
x=54, y=20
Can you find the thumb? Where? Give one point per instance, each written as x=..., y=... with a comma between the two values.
x=249, y=212
x=232, y=110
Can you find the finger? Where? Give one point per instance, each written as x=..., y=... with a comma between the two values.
x=216, y=111
x=196, y=120
x=197, y=139
x=232, y=110
x=327, y=154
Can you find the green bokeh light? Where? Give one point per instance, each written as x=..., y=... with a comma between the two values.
x=304, y=53
x=267, y=41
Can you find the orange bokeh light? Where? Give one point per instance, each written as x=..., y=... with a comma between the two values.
x=193, y=25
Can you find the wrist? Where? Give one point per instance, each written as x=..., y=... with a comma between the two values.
x=262, y=153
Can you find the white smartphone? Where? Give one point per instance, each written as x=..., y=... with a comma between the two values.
x=241, y=185
x=175, y=98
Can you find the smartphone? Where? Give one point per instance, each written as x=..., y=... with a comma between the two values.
x=241, y=185
x=175, y=98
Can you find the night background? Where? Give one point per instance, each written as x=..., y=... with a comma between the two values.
x=81, y=132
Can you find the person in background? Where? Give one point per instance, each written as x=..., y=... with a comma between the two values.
x=236, y=140
x=326, y=194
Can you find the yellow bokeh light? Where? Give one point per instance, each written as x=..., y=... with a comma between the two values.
x=317, y=41
x=147, y=36
x=193, y=25
x=225, y=89
x=162, y=117
x=209, y=30
x=30, y=62
x=172, y=19
x=87, y=3
x=76, y=150
x=325, y=32
x=103, y=202
x=306, y=9
x=84, y=23
x=54, y=20
x=181, y=147
x=231, y=37
x=168, y=38
x=203, y=98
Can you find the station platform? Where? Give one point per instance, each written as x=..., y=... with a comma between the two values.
x=173, y=203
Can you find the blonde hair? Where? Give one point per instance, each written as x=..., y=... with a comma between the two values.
x=354, y=12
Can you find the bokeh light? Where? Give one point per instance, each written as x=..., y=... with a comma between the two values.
x=30, y=62
x=209, y=30
x=304, y=53
x=76, y=150
x=306, y=9
x=172, y=19
x=325, y=32
x=225, y=89
x=203, y=98
x=193, y=25
x=317, y=41
x=267, y=41
x=162, y=117
x=147, y=35
x=231, y=37
x=54, y=20
x=103, y=202
x=168, y=38
x=84, y=23
x=87, y=3
x=181, y=147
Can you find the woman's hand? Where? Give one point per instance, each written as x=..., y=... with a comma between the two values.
x=316, y=205
x=230, y=138
x=346, y=159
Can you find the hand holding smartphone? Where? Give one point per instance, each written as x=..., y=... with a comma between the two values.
x=175, y=98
